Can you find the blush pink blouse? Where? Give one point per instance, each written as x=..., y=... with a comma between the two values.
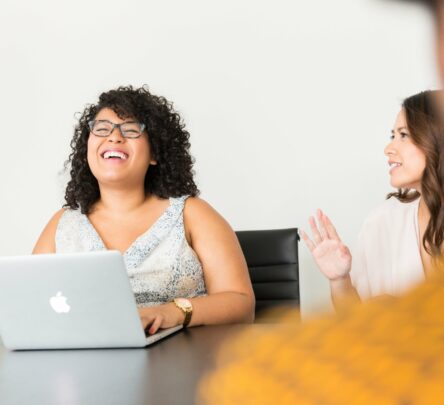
x=387, y=257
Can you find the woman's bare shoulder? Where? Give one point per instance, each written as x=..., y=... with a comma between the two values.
x=197, y=209
x=201, y=220
x=46, y=241
x=196, y=203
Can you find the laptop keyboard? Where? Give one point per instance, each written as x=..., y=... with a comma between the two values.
x=160, y=334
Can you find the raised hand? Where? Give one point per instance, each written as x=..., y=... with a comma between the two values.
x=331, y=256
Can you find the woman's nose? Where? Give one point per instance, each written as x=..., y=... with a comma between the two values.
x=389, y=150
x=116, y=136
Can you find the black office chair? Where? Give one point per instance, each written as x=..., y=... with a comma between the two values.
x=272, y=259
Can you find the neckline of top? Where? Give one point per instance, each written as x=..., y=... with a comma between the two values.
x=142, y=236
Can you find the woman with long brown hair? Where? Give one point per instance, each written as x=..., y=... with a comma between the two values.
x=402, y=237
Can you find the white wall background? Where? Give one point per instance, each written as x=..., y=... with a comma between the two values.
x=289, y=103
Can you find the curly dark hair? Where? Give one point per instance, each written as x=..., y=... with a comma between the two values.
x=172, y=176
x=426, y=128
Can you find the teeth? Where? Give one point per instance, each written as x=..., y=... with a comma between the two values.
x=394, y=164
x=114, y=153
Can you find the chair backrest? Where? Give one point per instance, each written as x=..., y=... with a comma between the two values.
x=272, y=259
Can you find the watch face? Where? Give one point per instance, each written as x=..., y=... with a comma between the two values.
x=184, y=303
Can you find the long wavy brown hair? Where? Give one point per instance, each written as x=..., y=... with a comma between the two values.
x=425, y=124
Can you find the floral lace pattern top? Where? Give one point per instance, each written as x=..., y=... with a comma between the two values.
x=160, y=263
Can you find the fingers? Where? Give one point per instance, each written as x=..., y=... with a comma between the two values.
x=159, y=317
x=311, y=246
x=146, y=321
x=319, y=234
x=156, y=324
x=331, y=230
x=314, y=229
x=152, y=324
x=322, y=228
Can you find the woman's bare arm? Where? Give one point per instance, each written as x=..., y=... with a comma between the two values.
x=230, y=296
x=46, y=241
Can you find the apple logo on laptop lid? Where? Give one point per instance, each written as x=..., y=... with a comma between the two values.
x=59, y=304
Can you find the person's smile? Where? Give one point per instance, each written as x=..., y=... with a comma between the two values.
x=114, y=155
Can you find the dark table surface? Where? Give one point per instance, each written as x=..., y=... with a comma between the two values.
x=166, y=373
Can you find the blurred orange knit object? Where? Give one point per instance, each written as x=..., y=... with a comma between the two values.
x=384, y=351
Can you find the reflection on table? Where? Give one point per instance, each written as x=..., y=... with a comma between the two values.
x=167, y=372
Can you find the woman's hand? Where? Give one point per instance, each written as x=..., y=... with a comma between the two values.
x=161, y=317
x=331, y=256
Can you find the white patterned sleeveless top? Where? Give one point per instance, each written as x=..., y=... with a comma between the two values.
x=160, y=263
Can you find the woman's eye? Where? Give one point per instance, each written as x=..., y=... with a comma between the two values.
x=391, y=137
x=404, y=134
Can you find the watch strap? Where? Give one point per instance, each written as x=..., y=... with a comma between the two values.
x=187, y=319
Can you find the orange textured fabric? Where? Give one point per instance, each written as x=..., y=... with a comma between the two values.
x=385, y=351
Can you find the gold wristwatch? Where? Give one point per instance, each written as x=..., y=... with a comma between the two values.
x=186, y=307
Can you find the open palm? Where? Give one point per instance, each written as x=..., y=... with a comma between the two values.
x=331, y=255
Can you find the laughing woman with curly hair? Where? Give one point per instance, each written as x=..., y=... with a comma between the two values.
x=132, y=190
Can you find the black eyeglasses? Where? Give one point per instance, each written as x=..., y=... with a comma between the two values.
x=104, y=128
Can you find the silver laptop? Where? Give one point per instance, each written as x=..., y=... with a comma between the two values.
x=69, y=301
